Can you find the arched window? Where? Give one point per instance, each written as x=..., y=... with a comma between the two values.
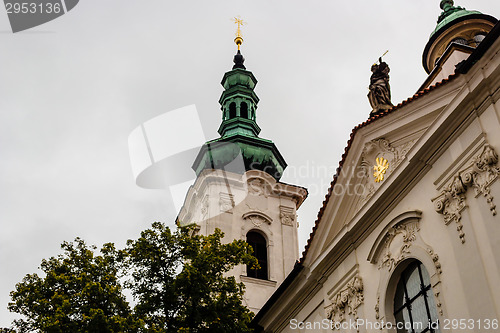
x=232, y=110
x=259, y=246
x=414, y=305
x=244, y=110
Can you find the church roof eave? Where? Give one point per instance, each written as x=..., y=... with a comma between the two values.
x=256, y=154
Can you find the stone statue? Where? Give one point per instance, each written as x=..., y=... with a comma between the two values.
x=380, y=90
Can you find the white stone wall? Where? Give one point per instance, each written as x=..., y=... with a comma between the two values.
x=437, y=205
x=237, y=204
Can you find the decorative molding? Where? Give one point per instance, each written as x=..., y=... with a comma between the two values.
x=451, y=203
x=204, y=207
x=226, y=202
x=406, y=225
x=399, y=243
x=482, y=174
x=375, y=151
x=259, y=183
x=346, y=301
x=435, y=259
x=438, y=303
x=287, y=215
x=409, y=235
x=257, y=218
x=479, y=175
x=257, y=186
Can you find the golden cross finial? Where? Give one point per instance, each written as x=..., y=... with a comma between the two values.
x=239, y=39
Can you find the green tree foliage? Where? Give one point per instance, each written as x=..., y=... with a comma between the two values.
x=80, y=292
x=196, y=298
x=178, y=280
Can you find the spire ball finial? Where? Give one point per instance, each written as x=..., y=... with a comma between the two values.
x=444, y=4
x=239, y=39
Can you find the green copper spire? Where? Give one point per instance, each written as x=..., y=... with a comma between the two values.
x=239, y=148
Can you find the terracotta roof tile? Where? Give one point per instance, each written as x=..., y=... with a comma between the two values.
x=347, y=148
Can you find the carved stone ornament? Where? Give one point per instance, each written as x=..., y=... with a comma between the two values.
x=287, y=215
x=257, y=218
x=226, y=202
x=256, y=186
x=479, y=175
x=400, y=240
x=439, y=305
x=346, y=301
x=435, y=260
x=408, y=231
x=204, y=207
x=378, y=159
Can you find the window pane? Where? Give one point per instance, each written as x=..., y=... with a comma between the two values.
x=419, y=314
x=259, y=246
x=432, y=306
x=425, y=276
x=413, y=281
x=403, y=317
x=419, y=304
x=399, y=299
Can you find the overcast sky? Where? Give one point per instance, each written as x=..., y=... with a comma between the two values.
x=72, y=90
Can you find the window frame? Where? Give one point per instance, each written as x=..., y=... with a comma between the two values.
x=423, y=292
x=264, y=263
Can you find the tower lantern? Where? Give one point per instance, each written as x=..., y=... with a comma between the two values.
x=458, y=32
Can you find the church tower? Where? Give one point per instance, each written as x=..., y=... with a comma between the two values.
x=457, y=34
x=238, y=189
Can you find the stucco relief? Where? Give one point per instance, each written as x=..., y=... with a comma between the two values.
x=481, y=172
x=379, y=149
x=257, y=218
x=226, y=202
x=346, y=301
x=257, y=186
x=287, y=215
x=398, y=241
x=377, y=308
x=435, y=260
x=395, y=253
x=204, y=208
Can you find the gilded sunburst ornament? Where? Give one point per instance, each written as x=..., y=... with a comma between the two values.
x=380, y=168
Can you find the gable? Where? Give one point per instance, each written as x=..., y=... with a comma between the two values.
x=376, y=151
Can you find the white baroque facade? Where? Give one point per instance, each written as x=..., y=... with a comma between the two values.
x=240, y=205
x=417, y=238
